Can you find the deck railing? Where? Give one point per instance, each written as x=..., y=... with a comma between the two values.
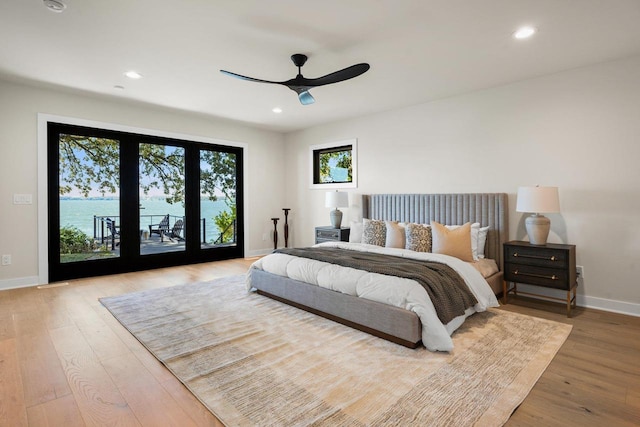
x=101, y=231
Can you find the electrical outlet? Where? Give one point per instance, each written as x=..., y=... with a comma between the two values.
x=580, y=271
x=265, y=237
x=6, y=259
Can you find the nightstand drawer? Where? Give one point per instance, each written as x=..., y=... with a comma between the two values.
x=538, y=256
x=548, y=277
x=328, y=234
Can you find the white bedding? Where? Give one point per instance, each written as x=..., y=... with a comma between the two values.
x=400, y=292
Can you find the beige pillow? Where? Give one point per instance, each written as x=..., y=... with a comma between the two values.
x=395, y=234
x=456, y=243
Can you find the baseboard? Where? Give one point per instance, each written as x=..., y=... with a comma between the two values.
x=258, y=252
x=19, y=282
x=604, y=304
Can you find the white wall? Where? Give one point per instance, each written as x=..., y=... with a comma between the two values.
x=19, y=107
x=578, y=130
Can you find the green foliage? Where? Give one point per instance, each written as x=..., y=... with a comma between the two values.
x=342, y=160
x=224, y=221
x=88, y=163
x=85, y=161
x=218, y=175
x=164, y=166
x=74, y=241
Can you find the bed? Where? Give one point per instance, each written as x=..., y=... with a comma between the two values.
x=409, y=324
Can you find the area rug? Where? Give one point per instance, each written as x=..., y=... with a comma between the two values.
x=255, y=361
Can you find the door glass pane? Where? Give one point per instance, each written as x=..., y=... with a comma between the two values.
x=217, y=199
x=161, y=191
x=89, y=189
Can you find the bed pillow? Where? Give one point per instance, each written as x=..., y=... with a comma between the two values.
x=453, y=242
x=475, y=228
x=418, y=237
x=395, y=234
x=482, y=240
x=374, y=232
x=355, y=232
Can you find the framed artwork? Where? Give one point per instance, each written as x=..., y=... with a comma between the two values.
x=334, y=164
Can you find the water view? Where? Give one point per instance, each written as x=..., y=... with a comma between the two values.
x=79, y=212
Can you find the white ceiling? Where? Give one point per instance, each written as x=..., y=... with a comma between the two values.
x=419, y=50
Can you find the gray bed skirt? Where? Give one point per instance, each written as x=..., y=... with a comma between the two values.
x=385, y=321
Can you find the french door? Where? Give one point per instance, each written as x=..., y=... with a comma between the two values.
x=121, y=202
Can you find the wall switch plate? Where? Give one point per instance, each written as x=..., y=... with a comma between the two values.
x=6, y=259
x=22, y=199
x=580, y=271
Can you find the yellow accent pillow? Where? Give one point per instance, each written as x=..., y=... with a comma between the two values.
x=456, y=243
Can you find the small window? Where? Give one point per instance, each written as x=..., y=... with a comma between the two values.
x=333, y=165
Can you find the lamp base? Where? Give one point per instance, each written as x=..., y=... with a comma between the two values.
x=336, y=218
x=538, y=227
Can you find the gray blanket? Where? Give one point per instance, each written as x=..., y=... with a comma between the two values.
x=448, y=291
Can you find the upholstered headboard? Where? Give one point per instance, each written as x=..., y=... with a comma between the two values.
x=489, y=209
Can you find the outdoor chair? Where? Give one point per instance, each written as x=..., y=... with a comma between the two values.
x=113, y=230
x=176, y=230
x=161, y=228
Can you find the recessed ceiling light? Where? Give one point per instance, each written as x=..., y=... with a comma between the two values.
x=277, y=110
x=55, y=5
x=133, y=74
x=524, y=32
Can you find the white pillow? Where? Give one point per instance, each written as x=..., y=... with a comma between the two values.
x=395, y=234
x=475, y=229
x=355, y=232
x=482, y=240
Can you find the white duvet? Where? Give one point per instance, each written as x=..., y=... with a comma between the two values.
x=404, y=293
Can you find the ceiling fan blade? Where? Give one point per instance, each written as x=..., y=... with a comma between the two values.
x=251, y=79
x=306, y=98
x=340, y=75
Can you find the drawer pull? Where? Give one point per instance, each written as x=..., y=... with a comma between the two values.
x=541, y=276
x=551, y=258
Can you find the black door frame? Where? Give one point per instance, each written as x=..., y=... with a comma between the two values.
x=130, y=258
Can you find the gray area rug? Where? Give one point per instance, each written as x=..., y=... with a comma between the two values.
x=255, y=361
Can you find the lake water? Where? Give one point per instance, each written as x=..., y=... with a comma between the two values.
x=79, y=212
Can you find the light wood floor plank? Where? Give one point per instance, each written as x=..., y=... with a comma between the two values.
x=12, y=408
x=98, y=398
x=55, y=413
x=42, y=375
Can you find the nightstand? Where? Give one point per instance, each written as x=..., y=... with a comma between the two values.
x=550, y=266
x=330, y=234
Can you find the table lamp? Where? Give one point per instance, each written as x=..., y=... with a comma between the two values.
x=537, y=200
x=336, y=199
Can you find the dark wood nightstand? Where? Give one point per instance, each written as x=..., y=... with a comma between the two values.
x=330, y=234
x=549, y=266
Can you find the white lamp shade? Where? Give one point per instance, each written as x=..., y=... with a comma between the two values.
x=538, y=200
x=337, y=199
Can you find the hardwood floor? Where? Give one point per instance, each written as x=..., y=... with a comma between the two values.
x=65, y=361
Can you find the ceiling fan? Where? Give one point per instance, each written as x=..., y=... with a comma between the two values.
x=301, y=85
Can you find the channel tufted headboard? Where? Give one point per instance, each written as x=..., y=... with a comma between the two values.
x=489, y=209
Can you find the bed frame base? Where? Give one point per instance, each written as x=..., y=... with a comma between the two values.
x=345, y=322
x=385, y=321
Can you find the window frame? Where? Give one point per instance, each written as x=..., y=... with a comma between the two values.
x=314, y=160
